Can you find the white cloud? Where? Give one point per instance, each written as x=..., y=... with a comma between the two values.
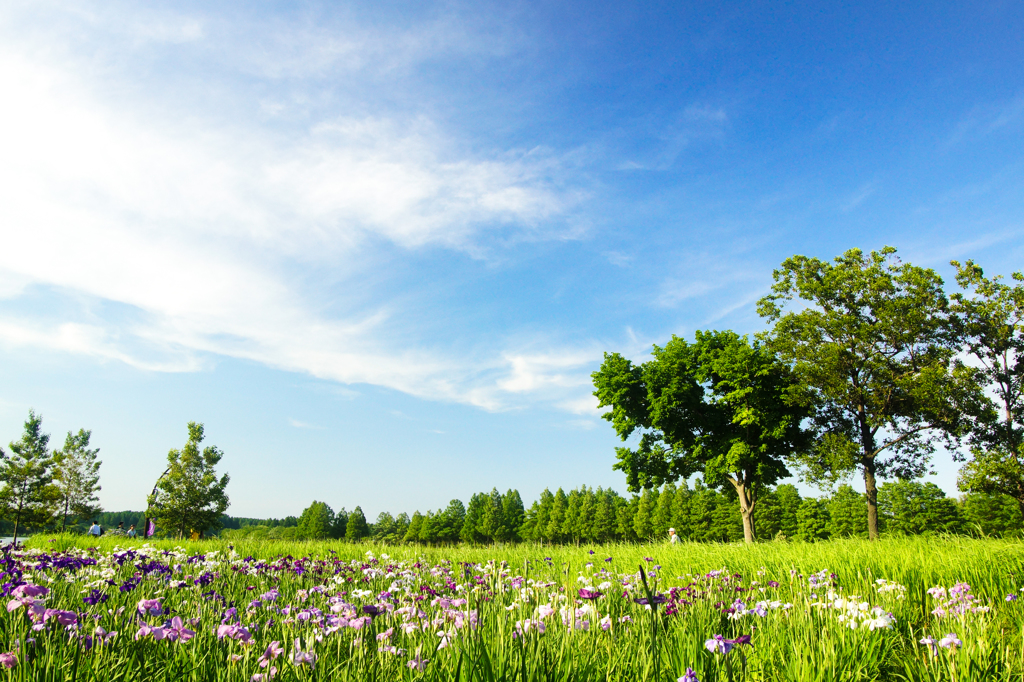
x=214, y=236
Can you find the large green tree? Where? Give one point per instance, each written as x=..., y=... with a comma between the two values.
x=189, y=497
x=721, y=406
x=76, y=475
x=991, y=314
x=28, y=497
x=876, y=346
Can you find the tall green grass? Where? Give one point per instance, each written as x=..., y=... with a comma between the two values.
x=802, y=644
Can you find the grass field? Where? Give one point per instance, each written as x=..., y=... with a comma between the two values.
x=522, y=612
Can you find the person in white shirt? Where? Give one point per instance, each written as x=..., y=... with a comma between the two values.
x=94, y=529
x=131, y=532
x=672, y=537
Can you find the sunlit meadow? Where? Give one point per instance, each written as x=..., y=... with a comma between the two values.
x=915, y=609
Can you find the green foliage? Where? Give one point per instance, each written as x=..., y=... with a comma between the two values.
x=189, y=497
x=912, y=508
x=513, y=514
x=316, y=522
x=28, y=498
x=812, y=520
x=876, y=347
x=355, y=527
x=76, y=475
x=992, y=515
x=847, y=513
x=720, y=406
x=471, y=526
x=992, y=320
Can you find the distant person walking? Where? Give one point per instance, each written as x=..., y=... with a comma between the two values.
x=95, y=529
x=131, y=531
x=119, y=530
x=672, y=537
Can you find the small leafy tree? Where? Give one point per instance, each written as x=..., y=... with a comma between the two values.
x=847, y=513
x=190, y=498
x=992, y=320
x=76, y=475
x=812, y=520
x=28, y=497
x=876, y=347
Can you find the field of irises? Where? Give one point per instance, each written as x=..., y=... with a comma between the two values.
x=914, y=609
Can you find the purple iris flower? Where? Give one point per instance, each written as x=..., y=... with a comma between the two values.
x=688, y=676
x=95, y=597
x=720, y=645
x=656, y=599
x=372, y=610
x=589, y=594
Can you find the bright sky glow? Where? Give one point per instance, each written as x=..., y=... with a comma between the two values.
x=378, y=248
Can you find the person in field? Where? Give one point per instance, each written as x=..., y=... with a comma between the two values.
x=131, y=531
x=95, y=529
x=672, y=537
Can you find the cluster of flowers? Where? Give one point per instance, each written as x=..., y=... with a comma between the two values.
x=955, y=601
x=850, y=611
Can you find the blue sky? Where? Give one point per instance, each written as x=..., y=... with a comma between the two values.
x=378, y=248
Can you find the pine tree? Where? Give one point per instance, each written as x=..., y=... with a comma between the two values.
x=28, y=497
x=848, y=515
x=514, y=516
x=340, y=521
x=989, y=514
x=664, y=512
x=812, y=520
x=557, y=517
x=472, y=526
x=625, y=515
x=76, y=475
x=702, y=510
x=768, y=520
x=604, y=516
x=571, y=525
x=189, y=497
x=356, y=529
x=643, y=522
x=316, y=522
x=681, y=511
x=789, y=506
x=412, y=533
x=543, y=516
x=494, y=518
x=428, y=531
x=450, y=522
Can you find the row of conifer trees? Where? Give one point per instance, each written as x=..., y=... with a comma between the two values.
x=589, y=515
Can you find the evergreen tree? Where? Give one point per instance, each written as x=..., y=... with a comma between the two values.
x=401, y=526
x=189, y=497
x=912, y=508
x=604, y=516
x=726, y=519
x=355, y=528
x=513, y=514
x=450, y=522
x=663, y=513
x=625, y=517
x=847, y=514
x=991, y=515
x=412, y=533
x=386, y=529
x=494, y=527
x=543, y=516
x=702, y=510
x=76, y=475
x=812, y=520
x=572, y=525
x=316, y=522
x=340, y=521
x=28, y=497
x=557, y=517
x=681, y=511
x=472, y=526
x=643, y=522
x=428, y=531
x=769, y=516
x=789, y=506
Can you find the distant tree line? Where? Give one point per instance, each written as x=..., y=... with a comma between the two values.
x=698, y=513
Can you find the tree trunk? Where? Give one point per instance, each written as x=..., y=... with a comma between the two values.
x=871, y=491
x=746, y=511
